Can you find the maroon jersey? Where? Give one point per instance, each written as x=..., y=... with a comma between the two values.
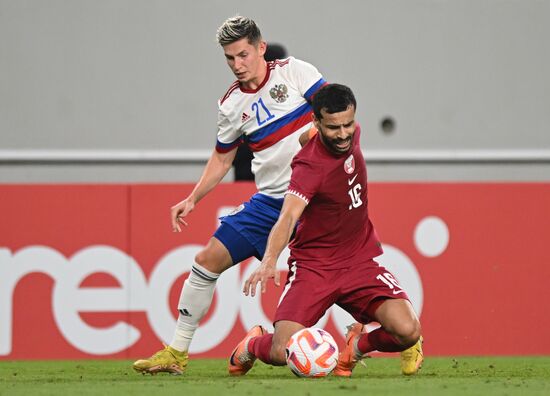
x=335, y=230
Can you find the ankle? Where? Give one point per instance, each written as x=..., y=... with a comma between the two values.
x=356, y=352
x=177, y=353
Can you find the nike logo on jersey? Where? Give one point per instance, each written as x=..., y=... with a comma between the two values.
x=350, y=181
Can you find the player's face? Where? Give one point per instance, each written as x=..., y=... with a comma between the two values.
x=336, y=130
x=246, y=61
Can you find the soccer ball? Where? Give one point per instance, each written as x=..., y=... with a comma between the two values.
x=311, y=352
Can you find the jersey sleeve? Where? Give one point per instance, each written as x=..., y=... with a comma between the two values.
x=228, y=136
x=306, y=179
x=307, y=78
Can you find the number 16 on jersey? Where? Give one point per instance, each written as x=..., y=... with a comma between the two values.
x=355, y=195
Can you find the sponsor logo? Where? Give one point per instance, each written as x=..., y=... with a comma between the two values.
x=149, y=291
x=350, y=181
x=245, y=117
x=149, y=295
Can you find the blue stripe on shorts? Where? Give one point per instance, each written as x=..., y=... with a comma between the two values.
x=244, y=232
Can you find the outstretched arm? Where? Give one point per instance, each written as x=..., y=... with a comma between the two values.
x=217, y=167
x=278, y=238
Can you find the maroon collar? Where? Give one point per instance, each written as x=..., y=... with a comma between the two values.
x=252, y=91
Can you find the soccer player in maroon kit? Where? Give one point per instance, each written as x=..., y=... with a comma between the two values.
x=332, y=254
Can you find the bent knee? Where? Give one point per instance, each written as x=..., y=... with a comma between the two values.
x=408, y=333
x=213, y=261
x=203, y=258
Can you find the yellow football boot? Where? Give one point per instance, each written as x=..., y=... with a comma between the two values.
x=412, y=358
x=167, y=360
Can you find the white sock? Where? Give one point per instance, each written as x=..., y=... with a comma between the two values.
x=195, y=299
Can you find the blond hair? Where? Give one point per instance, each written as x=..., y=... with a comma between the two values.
x=236, y=28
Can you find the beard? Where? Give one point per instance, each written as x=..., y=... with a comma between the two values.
x=338, y=145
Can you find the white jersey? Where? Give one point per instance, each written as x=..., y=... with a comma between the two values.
x=270, y=119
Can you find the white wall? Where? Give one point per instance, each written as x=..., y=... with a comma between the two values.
x=145, y=75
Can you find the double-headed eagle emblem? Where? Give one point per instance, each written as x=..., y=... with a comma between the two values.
x=279, y=92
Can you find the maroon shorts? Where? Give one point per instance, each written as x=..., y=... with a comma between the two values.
x=359, y=290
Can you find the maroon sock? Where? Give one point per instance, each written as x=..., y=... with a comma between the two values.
x=261, y=347
x=379, y=340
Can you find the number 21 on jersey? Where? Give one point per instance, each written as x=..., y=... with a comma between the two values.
x=263, y=114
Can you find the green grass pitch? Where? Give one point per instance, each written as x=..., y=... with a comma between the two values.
x=439, y=376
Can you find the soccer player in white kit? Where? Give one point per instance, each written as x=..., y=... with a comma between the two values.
x=268, y=108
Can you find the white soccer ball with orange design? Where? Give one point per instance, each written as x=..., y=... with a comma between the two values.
x=311, y=352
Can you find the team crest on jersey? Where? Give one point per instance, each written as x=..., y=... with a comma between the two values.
x=349, y=165
x=279, y=92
